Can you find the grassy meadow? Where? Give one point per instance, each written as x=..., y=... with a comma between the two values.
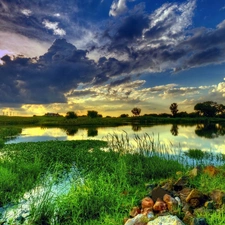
x=106, y=179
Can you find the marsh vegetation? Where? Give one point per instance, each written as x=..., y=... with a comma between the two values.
x=107, y=178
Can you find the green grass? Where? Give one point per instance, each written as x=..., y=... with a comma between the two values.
x=111, y=178
x=195, y=154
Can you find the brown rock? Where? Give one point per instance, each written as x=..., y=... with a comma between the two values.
x=181, y=183
x=171, y=203
x=160, y=206
x=218, y=197
x=168, y=186
x=158, y=192
x=194, y=194
x=195, y=202
x=184, y=193
x=187, y=208
x=147, y=202
x=188, y=218
x=211, y=170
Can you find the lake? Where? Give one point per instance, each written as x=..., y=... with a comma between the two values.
x=205, y=137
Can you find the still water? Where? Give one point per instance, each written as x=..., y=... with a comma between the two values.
x=204, y=137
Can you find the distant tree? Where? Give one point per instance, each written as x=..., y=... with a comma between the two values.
x=124, y=115
x=71, y=115
x=92, y=114
x=208, y=108
x=164, y=115
x=174, y=109
x=193, y=114
x=182, y=114
x=136, y=111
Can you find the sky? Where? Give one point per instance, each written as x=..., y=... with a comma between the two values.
x=110, y=55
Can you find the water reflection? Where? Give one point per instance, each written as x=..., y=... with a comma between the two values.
x=204, y=137
x=210, y=130
x=92, y=132
x=174, y=130
x=136, y=127
x=71, y=131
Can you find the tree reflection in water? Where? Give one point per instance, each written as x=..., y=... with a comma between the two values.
x=210, y=130
x=174, y=130
x=71, y=131
x=136, y=127
x=92, y=132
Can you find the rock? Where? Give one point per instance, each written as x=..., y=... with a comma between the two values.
x=184, y=193
x=187, y=208
x=160, y=206
x=188, y=218
x=166, y=220
x=199, y=221
x=211, y=170
x=140, y=219
x=158, y=192
x=148, y=213
x=171, y=202
x=194, y=198
x=180, y=183
x=147, y=202
x=195, y=172
x=178, y=201
x=168, y=186
x=218, y=197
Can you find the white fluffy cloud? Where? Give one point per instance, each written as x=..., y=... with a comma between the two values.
x=54, y=26
x=26, y=12
x=220, y=88
x=117, y=7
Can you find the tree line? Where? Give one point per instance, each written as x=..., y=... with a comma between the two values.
x=207, y=109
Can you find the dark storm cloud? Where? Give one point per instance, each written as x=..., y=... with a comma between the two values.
x=209, y=55
x=164, y=40
x=60, y=70
x=203, y=38
x=45, y=80
x=134, y=44
x=204, y=47
x=132, y=27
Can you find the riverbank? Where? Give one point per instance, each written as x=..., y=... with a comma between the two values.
x=111, y=180
x=107, y=121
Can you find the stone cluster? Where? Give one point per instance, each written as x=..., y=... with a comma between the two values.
x=175, y=202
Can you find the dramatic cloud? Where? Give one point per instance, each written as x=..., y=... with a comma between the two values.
x=114, y=55
x=54, y=26
x=220, y=88
x=118, y=7
x=45, y=80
